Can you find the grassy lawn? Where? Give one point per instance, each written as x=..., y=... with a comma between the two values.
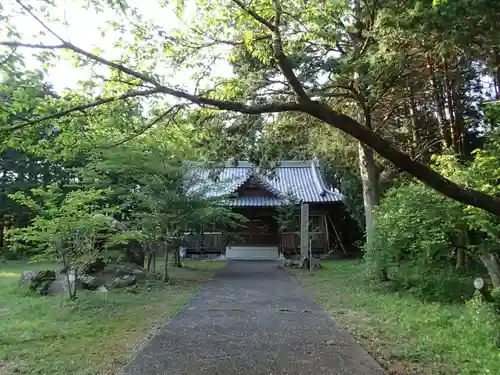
x=96, y=334
x=406, y=335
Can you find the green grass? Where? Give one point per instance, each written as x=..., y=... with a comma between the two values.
x=94, y=335
x=407, y=335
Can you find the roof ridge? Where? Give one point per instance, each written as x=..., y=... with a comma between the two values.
x=240, y=182
x=262, y=179
x=303, y=163
x=316, y=179
x=270, y=187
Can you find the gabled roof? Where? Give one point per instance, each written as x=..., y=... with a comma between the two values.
x=301, y=180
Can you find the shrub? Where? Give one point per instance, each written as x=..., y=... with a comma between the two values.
x=415, y=229
x=434, y=284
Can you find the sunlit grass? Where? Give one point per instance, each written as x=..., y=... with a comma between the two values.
x=407, y=335
x=9, y=274
x=95, y=335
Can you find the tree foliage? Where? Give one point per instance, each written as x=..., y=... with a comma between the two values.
x=66, y=227
x=415, y=227
x=376, y=53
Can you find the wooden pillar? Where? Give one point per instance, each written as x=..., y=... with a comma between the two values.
x=304, y=230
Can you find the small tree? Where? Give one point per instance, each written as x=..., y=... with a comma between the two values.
x=66, y=227
x=175, y=202
x=151, y=176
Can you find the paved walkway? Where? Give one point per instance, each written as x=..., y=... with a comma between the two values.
x=253, y=319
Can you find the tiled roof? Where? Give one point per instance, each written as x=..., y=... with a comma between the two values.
x=254, y=201
x=302, y=180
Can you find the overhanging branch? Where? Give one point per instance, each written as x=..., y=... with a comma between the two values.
x=8, y=57
x=282, y=60
x=232, y=106
x=159, y=88
x=172, y=112
x=320, y=111
x=404, y=161
x=29, y=45
x=81, y=107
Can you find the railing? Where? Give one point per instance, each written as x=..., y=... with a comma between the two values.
x=256, y=239
x=206, y=241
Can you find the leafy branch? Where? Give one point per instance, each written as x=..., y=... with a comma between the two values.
x=302, y=104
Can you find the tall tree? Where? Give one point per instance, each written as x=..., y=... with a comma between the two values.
x=273, y=30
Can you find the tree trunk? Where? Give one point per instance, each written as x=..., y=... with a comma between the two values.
x=458, y=126
x=165, y=277
x=150, y=257
x=413, y=127
x=492, y=264
x=460, y=265
x=462, y=256
x=439, y=105
x=496, y=74
x=369, y=179
x=202, y=240
x=177, y=255
x=68, y=270
x=450, y=105
x=1, y=231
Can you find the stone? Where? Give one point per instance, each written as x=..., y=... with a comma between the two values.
x=59, y=285
x=123, y=281
x=46, y=275
x=115, y=224
x=138, y=273
x=94, y=266
x=28, y=276
x=126, y=269
x=45, y=287
x=89, y=282
x=101, y=289
x=39, y=281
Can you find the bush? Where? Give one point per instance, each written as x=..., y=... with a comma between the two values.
x=436, y=285
x=495, y=294
x=415, y=229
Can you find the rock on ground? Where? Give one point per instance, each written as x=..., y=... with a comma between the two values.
x=123, y=281
x=90, y=282
x=27, y=276
x=38, y=281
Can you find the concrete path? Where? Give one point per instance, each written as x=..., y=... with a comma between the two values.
x=253, y=319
